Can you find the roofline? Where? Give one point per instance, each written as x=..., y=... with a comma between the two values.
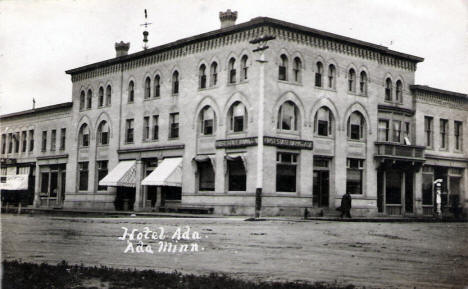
x=36, y=110
x=258, y=21
x=437, y=90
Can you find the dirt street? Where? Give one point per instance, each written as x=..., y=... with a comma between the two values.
x=422, y=255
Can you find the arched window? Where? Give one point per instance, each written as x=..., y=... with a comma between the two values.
x=202, y=76
x=297, y=70
x=108, y=95
x=147, y=88
x=232, y=70
x=157, y=86
x=103, y=133
x=331, y=76
x=351, y=80
x=82, y=100
x=131, y=91
x=363, y=83
x=356, y=126
x=84, y=135
x=388, y=89
x=238, y=117
x=399, y=91
x=244, y=68
x=175, y=82
x=101, y=97
x=213, y=74
x=288, y=115
x=318, y=74
x=208, y=121
x=283, y=68
x=323, y=122
x=89, y=99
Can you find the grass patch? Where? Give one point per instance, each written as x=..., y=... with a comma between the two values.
x=19, y=275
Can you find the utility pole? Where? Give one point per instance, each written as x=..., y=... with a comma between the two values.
x=261, y=41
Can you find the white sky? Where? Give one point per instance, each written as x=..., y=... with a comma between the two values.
x=41, y=39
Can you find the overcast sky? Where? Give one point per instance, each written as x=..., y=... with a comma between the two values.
x=41, y=39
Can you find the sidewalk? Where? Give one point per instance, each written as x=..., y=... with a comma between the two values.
x=111, y=214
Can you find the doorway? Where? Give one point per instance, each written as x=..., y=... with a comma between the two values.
x=321, y=188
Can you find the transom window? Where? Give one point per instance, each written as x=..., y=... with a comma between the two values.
x=288, y=114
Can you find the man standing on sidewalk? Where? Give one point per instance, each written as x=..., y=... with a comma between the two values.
x=346, y=205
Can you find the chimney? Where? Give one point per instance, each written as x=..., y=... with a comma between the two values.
x=121, y=48
x=228, y=18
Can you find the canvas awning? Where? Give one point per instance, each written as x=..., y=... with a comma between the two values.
x=123, y=175
x=168, y=173
x=14, y=182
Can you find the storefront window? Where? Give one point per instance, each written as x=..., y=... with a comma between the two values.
x=83, y=176
x=286, y=167
x=101, y=173
x=354, y=176
x=206, y=180
x=427, y=189
x=237, y=176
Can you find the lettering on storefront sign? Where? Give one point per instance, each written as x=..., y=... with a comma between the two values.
x=288, y=143
x=237, y=142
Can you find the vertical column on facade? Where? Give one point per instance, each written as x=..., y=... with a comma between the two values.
x=37, y=188
x=418, y=180
x=340, y=166
x=138, y=191
x=220, y=176
x=305, y=185
x=269, y=170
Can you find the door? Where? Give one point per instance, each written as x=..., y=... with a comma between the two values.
x=321, y=188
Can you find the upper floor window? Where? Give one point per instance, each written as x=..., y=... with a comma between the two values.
x=232, y=70
x=146, y=128
x=129, y=135
x=31, y=140
x=84, y=135
x=108, y=95
x=428, y=128
x=174, y=125
x=202, y=76
x=352, y=80
x=331, y=76
x=213, y=74
x=4, y=143
x=356, y=126
x=399, y=91
x=458, y=133
x=443, y=133
x=63, y=137
x=131, y=91
x=388, y=89
x=82, y=100
x=363, y=83
x=101, y=97
x=208, y=120
x=155, y=127
x=288, y=115
x=103, y=133
x=10, y=141
x=244, y=68
x=175, y=82
x=396, y=131
x=238, y=117
x=297, y=70
x=283, y=68
x=89, y=99
x=147, y=88
x=323, y=122
x=157, y=86
x=383, y=130
x=53, y=140
x=44, y=141
x=318, y=74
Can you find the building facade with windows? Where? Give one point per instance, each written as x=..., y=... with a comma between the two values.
x=177, y=126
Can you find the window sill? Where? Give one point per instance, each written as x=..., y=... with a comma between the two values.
x=287, y=132
x=102, y=145
x=237, y=133
x=357, y=141
x=325, y=88
x=330, y=137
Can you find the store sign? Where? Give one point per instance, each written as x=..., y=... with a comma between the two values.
x=14, y=182
x=288, y=143
x=236, y=142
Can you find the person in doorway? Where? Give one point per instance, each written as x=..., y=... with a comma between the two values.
x=346, y=205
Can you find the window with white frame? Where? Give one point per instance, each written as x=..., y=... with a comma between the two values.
x=213, y=74
x=297, y=70
x=244, y=68
x=443, y=133
x=399, y=91
x=202, y=76
x=101, y=97
x=363, y=83
x=288, y=115
x=283, y=68
x=207, y=121
x=147, y=94
x=232, y=70
x=108, y=95
x=129, y=133
x=331, y=76
x=146, y=128
x=458, y=133
x=157, y=86
x=318, y=74
x=84, y=135
x=352, y=80
x=428, y=129
x=388, y=89
x=238, y=117
x=174, y=125
x=103, y=133
x=383, y=130
x=356, y=126
x=323, y=122
x=396, y=131
x=155, y=127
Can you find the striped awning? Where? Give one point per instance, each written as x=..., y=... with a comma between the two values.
x=168, y=173
x=123, y=175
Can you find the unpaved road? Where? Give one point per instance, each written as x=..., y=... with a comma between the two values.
x=408, y=255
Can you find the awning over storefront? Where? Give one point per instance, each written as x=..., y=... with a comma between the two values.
x=14, y=182
x=168, y=173
x=123, y=175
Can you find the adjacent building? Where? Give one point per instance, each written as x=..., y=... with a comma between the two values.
x=182, y=125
